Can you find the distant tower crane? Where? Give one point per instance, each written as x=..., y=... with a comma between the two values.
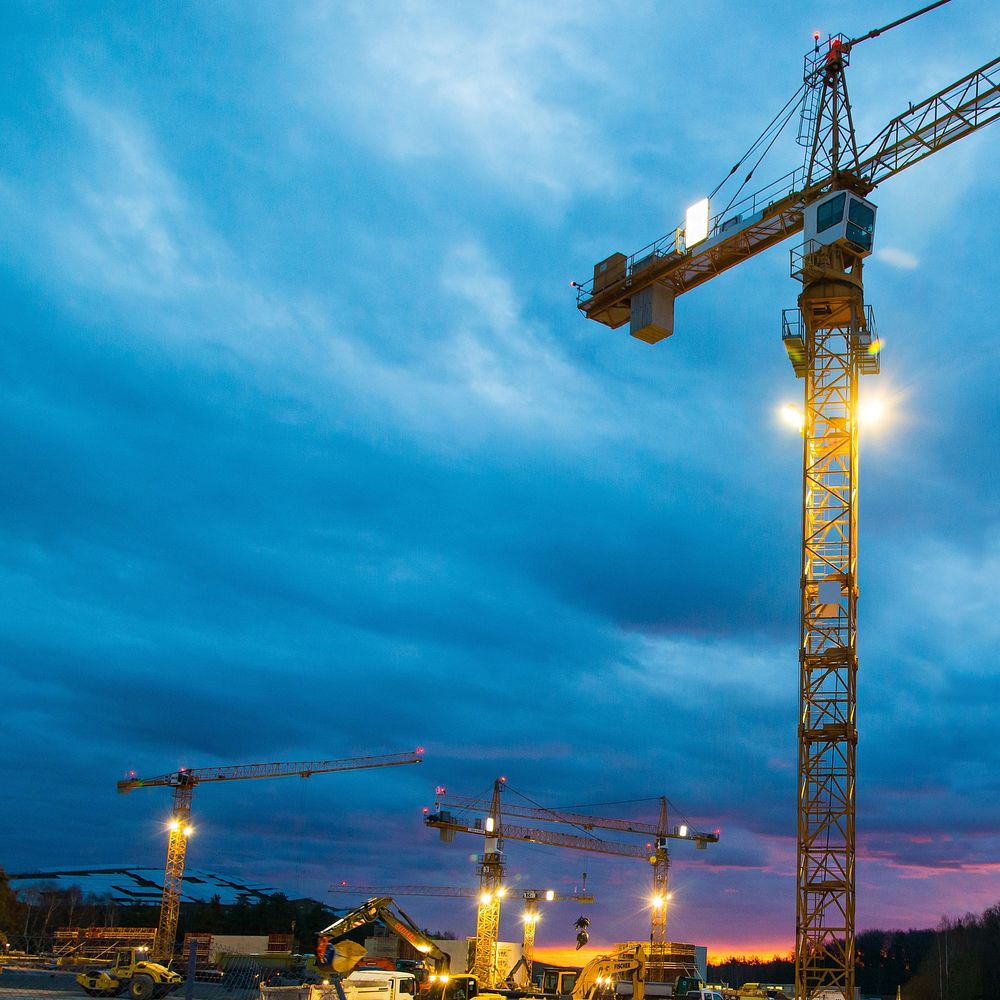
x=530, y=917
x=831, y=341
x=496, y=829
x=183, y=783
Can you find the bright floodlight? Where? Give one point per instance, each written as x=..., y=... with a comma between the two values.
x=550, y=894
x=792, y=416
x=696, y=223
x=657, y=902
x=174, y=825
x=501, y=892
x=871, y=411
x=486, y=899
x=490, y=824
x=188, y=830
x=683, y=831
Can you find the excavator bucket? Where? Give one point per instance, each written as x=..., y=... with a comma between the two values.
x=341, y=957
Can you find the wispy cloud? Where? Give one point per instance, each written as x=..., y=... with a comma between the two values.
x=895, y=257
x=489, y=89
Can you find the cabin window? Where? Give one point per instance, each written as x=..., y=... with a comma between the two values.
x=830, y=212
x=860, y=224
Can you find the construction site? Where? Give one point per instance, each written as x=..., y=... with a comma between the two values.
x=167, y=928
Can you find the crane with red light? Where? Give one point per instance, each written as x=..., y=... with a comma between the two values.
x=496, y=828
x=184, y=781
x=831, y=341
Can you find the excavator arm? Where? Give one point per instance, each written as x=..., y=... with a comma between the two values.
x=607, y=970
x=395, y=919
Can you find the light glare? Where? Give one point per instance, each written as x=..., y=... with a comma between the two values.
x=871, y=411
x=792, y=416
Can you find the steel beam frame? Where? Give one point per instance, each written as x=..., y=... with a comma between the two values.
x=832, y=306
x=173, y=874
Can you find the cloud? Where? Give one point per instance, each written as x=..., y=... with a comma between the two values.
x=895, y=257
x=489, y=89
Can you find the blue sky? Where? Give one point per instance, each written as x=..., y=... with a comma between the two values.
x=308, y=452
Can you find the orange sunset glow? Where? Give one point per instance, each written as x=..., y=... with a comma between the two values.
x=718, y=951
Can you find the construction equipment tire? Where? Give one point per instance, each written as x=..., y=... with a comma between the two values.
x=142, y=987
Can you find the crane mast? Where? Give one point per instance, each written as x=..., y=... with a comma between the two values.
x=491, y=869
x=835, y=337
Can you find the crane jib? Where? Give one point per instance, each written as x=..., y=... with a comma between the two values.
x=947, y=116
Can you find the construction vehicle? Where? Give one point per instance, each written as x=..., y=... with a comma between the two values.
x=530, y=917
x=495, y=828
x=385, y=910
x=369, y=984
x=624, y=974
x=830, y=340
x=130, y=972
x=183, y=783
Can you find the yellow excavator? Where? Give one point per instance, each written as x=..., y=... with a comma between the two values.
x=440, y=985
x=601, y=977
x=132, y=972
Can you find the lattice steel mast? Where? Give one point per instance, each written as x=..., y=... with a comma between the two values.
x=835, y=336
x=491, y=868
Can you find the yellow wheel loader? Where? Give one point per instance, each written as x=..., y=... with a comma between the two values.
x=132, y=973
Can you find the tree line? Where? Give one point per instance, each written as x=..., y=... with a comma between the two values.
x=29, y=917
x=957, y=960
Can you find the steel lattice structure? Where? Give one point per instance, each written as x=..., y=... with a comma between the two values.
x=491, y=868
x=835, y=338
x=173, y=873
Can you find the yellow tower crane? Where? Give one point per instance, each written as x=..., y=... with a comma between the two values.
x=495, y=829
x=530, y=917
x=183, y=783
x=831, y=341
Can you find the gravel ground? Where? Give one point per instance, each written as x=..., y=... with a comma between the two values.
x=55, y=984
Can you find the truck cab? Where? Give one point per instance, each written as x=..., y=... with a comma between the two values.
x=377, y=984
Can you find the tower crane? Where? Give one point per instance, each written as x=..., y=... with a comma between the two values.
x=530, y=918
x=183, y=783
x=831, y=341
x=656, y=850
x=496, y=829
